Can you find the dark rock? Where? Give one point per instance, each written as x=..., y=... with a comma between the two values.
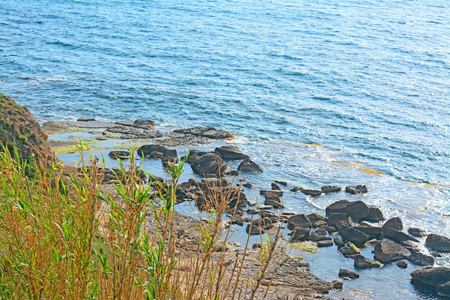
x=388, y=251
x=438, y=242
x=232, y=173
x=318, y=223
x=231, y=153
x=237, y=219
x=417, y=232
x=394, y=223
x=85, y=119
x=299, y=220
x=338, y=242
x=296, y=189
x=254, y=230
x=337, y=284
x=374, y=215
x=317, y=237
x=275, y=187
x=247, y=185
x=353, y=235
x=444, y=289
x=273, y=192
x=349, y=249
x=330, y=189
x=361, y=262
x=325, y=243
x=315, y=217
x=210, y=163
x=146, y=150
x=347, y=273
x=335, y=218
x=312, y=193
x=299, y=233
x=434, y=276
x=396, y=236
x=374, y=232
x=419, y=258
x=275, y=202
x=330, y=229
x=357, y=210
x=144, y=123
x=282, y=182
x=252, y=211
x=208, y=132
x=321, y=230
x=156, y=154
x=402, y=264
x=250, y=166
x=356, y=190
x=288, y=213
x=119, y=154
x=181, y=194
x=193, y=155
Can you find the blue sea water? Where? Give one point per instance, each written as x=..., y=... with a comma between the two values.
x=367, y=81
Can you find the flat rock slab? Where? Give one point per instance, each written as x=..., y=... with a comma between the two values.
x=388, y=251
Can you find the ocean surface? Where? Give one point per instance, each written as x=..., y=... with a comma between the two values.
x=317, y=92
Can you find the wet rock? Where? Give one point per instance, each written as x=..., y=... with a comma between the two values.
x=282, y=182
x=146, y=150
x=349, y=249
x=325, y=243
x=252, y=211
x=85, y=119
x=402, y=264
x=434, y=276
x=271, y=192
x=250, y=166
x=330, y=189
x=353, y=235
x=144, y=123
x=231, y=153
x=361, y=262
x=275, y=187
x=374, y=232
x=394, y=223
x=330, y=229
x=315, y=216
x=318, y=223
x=444, y=289
x=296, y=189
x=119, y=154
x=288, y=213
x=299, y=220
x=396, y=236
x=419, y=258
x=339, y=243
x=274, y=202
x=237, y=219
x=193, y=155
x=356, y=190
x=347, y=273
x=312, y=193
x=388, y=251
x=438, y=242
x=321, y=230
x=208, y=132
x=336, y=219
x=264, y=207
x=254, y=230
x=317, y=237
x=417, y=232
x=357, y=210
x=299, y=234
x=374, y=215
x=156, y=154
x=210, y=163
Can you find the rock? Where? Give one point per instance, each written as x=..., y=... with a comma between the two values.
x=193, y=155
x=353, y=235
x=146, y=150
x=250, y=166
x=434, y=276
x=264, y=207
x=394, y=223
x=288, y=213
x=402, y=264
x=361, y=262
x=330, y=189
x=119, y=154
x=318, y=223
x=210, y=163
x=388, y=251
x=396, y=236
x=374, y=232
x=321, y=230
x=444, y=289
x=374, y=215
x=331, y=229
x=271, y=193
x=299, y=220
x=315, y=216
x=339, y=243
x=438, y=242
x=357, y=210
x=337, y=284
x=257, y=246
x=325, y=243
x=282, y=182
x=356, y=190
x=275, y=187
x=156, y=154
x=144, y=123
x=312, y=193
x=299, y=233
x=419, y=258
x=85, y=119
x=274, y=202
x=417, y=232
x=231, y=153
x=347, y=273
x=349, y=249
x=336, y=218
x=296, y=189
x=237, y=219
x=254, y=230
x=208, y=132
x=317, y=237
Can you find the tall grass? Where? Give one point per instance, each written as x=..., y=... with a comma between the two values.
x=74, y=238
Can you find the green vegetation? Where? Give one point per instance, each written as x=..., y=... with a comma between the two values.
x=64, y=237
x=303, y=247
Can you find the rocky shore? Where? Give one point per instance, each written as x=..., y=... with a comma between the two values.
x=350, y=226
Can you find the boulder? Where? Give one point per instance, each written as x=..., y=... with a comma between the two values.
x=394, y=223
x=337, y=284
x=353, y=235
x=434, y=276
x=417, y=232
x=312, y=193
x=119, y=154
x=357, y=210
x=193, y=155
x=231, y=153
x=299, y=220
x=296, y=189
x=207, y=132
x=396, y=236
x=402, y=264
x=321, y=230
x=330, y=189
x=438, y=242
x=361, y=262
x=299, y=233
x=275, y=187
x=419, y=258
x=318, y=223
x=254, y=230
x=271, y=193
x=250, y=166
x=210, y=163
x=144, y=123
x=337, y=218
x=347, y=273
x=339, y=243
x=146, y=150
x=325, y=243
x=444, y=289
x=85, y=119
x=374, y=215
x=156, y=154
x=356, y=190
x=388, y=251
x=282, y=182
x=374, y=232
x=349, y=249
x=274, y=202
x=318, y=237
x=315, y=216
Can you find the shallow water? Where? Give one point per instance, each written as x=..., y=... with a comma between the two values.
x=367, y=81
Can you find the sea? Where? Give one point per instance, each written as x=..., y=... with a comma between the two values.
x=317, y=92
